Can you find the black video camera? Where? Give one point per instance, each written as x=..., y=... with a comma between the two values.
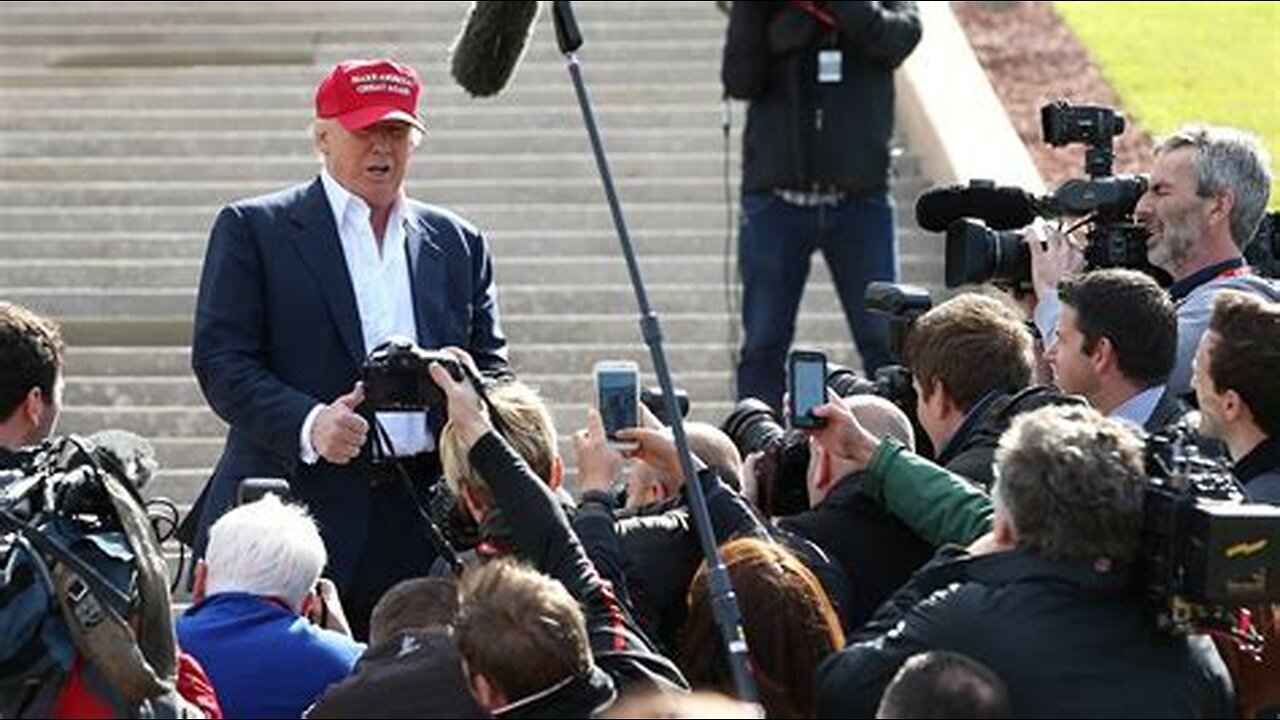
x=1206, y=552
x=396, y=378
x=976, y=253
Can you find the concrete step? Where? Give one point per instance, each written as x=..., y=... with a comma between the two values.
x=302, y=33
x=301, y=95
x=105, y=12
x=549, y=189
x=430, y=164
x=296, y=145
x=428, y=57
x=515, y=300
x=699, y=183
x=601, y=267
x=494, y=218
x=506, y=245
x=436, y=76
x=813, y=327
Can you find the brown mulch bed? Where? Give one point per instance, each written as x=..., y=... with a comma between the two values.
x=1032, y=58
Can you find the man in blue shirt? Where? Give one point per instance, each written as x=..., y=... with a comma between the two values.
x=269, y=632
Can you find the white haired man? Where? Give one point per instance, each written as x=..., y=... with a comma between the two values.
x=268, y=630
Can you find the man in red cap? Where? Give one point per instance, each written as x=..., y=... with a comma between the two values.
x=298, y=287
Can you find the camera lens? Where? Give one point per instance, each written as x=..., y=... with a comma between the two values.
x=847, y=383
x=752, y=425
x=978, y=254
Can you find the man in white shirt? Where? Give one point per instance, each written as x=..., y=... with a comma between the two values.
x=298, y=287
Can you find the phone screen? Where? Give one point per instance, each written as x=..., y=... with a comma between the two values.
x=808, y=389
x=619, y=390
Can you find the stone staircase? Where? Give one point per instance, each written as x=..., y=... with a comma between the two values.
x=124, y=126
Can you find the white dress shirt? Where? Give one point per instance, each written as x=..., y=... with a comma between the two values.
x=384, y=300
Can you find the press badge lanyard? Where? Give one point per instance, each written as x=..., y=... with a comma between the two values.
x=830, y=59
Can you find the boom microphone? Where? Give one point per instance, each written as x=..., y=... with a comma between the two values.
x=1003, y=208
x=492, y=41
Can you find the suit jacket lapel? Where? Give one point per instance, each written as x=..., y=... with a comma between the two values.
x=427, y=280
x=317, y=243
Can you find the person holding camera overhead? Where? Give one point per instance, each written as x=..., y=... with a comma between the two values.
x=298, y=287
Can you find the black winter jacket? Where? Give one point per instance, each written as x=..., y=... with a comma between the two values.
x=542, y=537
x=971, y=451
x=1068, y=641
x=801, y=133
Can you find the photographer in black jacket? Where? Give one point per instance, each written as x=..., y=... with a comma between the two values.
x=1050, y=599
x=876, y=550
x=541, y=536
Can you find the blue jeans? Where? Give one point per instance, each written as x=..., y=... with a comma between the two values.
x=775, y=242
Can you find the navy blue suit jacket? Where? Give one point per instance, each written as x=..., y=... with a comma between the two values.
x=277, y=331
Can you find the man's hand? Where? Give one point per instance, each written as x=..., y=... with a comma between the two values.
x=338, y=432
x=598, y=464
x=657, y=448
x=843, y=436
x=464, y=357
x=326, y=611
x=1053, y=257
x=467, y=413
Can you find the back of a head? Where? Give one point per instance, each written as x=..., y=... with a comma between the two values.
x=265, y=548
x=1072, y=482
x=941, y=684
x=1228, y=159
x=1247, y=354
x=519, y=629
x=717, y=450
x=881, y=417
x=1135, y=315
x=31, y=355
x=414, y=604
x=529, y=429
x=973, y=343
x=789, y=622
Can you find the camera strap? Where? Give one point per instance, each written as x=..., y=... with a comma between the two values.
x=434, y=535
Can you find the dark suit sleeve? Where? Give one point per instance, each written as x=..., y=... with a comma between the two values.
x=229, y=353
x=487, y=344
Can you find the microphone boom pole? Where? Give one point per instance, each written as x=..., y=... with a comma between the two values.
x=724, y=604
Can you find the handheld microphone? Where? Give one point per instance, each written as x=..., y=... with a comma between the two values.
x=1003, y=208
x=491, y=43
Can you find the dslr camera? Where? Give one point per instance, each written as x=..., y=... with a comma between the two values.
x=396, y=378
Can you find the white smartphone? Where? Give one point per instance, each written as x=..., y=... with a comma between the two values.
x=618, y=399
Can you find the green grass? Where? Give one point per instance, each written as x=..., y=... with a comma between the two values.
x=1172, y=63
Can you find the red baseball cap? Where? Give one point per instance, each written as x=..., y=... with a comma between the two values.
x=359, y=93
